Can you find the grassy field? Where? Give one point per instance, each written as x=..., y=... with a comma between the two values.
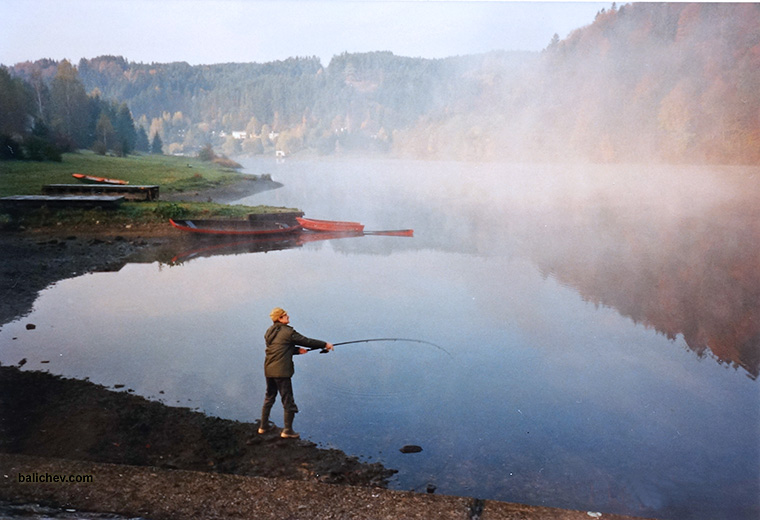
x=171, y=174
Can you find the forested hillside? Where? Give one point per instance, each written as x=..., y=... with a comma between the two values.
x=357, y=102
x=659, y=82
x=644, y=82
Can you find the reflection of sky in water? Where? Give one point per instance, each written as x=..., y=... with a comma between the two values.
x=546, y=399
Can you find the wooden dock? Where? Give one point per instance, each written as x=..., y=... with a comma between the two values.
x=133, y=192
x=21, y=202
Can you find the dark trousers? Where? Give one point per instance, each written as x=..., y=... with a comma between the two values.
x=284, y=387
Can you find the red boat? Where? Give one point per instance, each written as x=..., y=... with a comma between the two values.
x=234, y=227
x=329, y=225
x=92, y=178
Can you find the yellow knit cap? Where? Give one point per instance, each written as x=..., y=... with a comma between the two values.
x=277, y=313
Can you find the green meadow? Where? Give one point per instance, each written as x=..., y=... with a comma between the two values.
x=169, y=172
x=172, y=175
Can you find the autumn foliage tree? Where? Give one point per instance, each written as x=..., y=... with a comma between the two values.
x=675, y=82
x=647, y=82
x=70, y=107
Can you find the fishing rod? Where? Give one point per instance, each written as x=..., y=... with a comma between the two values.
x=324, y=351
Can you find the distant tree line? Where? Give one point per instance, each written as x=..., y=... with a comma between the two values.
x=356, y=103
x=649, y=81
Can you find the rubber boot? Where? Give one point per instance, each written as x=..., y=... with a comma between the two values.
x=287, y=431
x=265, y=425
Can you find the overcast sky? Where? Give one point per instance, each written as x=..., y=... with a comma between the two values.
x=221, y=31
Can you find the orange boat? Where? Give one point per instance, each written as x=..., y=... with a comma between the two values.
x=392, y=233
x=102, y=180
x=329, y=225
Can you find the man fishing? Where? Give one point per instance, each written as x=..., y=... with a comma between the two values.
x=281, y=345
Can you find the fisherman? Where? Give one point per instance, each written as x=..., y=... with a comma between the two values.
x=281, y=340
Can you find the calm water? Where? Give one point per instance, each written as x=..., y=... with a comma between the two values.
x=602, y=326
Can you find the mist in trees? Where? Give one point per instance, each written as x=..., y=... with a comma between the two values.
x=671, y=82
x=643, y=83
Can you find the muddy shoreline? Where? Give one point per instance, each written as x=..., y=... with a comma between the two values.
x=51, y=416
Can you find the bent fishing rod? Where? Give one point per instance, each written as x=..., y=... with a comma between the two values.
x=372, y=340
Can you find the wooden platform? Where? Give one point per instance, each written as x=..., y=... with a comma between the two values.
x=19, y=202
x=129, y=192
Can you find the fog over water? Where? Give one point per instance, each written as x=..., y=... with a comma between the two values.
x=603, y=325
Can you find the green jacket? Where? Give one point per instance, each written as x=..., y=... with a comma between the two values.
x=281, y=341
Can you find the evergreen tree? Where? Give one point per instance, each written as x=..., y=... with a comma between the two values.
x=125, y=129
x=141, y=140
x=554, y=42
x=15, y=102
x=39, y=145
x=157, y=146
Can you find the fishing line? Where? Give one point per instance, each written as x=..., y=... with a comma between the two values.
x=392, y=339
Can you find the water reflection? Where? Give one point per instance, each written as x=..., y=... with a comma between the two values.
x=202, y=247
x=696, y=276
x=674, y=248
x=207, y=248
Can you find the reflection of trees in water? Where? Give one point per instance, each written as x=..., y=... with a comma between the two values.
x=697, y=276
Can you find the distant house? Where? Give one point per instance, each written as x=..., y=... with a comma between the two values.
x=279, y=153
x=240, y=135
